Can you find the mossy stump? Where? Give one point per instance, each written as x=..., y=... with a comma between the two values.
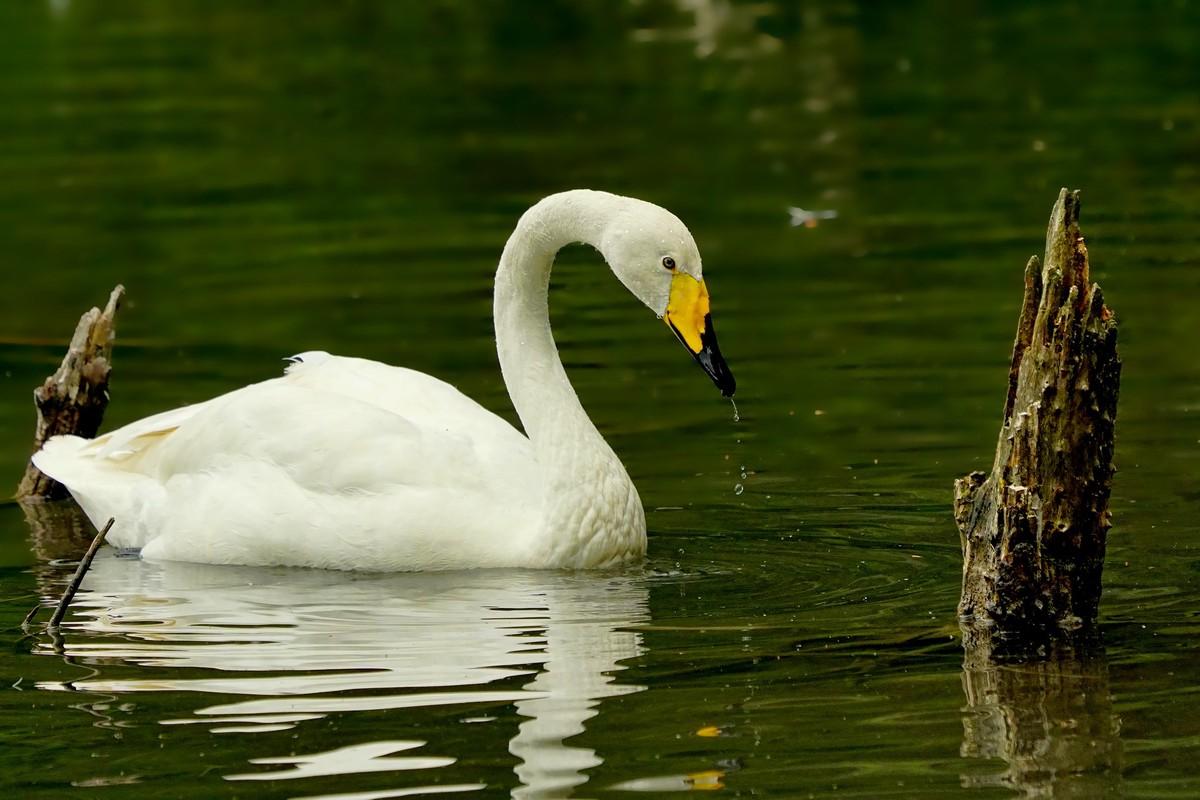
x=1033, y=530
x=73, y=399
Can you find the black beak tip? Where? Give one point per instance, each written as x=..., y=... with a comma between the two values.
x=713, y=363
x=710, y=358
x=719, y=372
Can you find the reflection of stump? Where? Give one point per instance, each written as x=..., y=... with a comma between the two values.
x=73, y=399
x=1033, y=531
x=57, y=531
x=1049, y=719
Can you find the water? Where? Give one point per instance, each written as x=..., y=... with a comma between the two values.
x=268, y=181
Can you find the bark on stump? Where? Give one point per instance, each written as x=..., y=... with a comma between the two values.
x=1033, y=530
x=73, y=399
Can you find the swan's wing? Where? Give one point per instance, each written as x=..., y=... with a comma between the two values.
x=349, y=444
x=136, y=436
x=422, y=399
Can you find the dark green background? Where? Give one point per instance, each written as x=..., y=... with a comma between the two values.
x=267, y=178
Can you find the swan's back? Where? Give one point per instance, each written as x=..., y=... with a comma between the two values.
x=340, y=463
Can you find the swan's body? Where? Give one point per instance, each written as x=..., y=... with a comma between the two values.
x=341, y=463
x=351, y=464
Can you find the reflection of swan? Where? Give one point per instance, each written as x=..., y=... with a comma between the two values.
x=305, y=646
x=570, y=689
x=353, y=464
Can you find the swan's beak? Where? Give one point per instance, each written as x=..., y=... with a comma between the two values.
x=688, y=316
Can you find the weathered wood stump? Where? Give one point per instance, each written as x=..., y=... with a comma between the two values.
x=1033, y=530
x=73, y=399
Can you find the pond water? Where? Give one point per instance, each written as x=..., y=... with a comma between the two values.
x=272, y=178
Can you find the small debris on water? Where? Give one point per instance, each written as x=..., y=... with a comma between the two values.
x=809, y=218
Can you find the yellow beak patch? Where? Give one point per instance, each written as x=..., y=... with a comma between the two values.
x=687, y=309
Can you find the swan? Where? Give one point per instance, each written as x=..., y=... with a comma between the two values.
x=345, y=463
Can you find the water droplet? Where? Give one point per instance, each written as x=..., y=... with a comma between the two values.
x=736, y=418
x=738, y=489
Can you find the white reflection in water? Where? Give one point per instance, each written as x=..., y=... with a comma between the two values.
x=296, y=641
x=369, y=757
x=423, y=791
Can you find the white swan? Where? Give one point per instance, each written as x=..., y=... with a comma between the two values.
x=344, y=463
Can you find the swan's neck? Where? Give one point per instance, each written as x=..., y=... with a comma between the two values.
x=581, y=474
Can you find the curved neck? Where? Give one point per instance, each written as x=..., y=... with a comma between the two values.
x=591, y=515
x=533, y=372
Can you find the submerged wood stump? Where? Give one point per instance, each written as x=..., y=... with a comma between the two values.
x=1033, y=530
x=73, y=399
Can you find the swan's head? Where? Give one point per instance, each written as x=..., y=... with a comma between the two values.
x=655, y=256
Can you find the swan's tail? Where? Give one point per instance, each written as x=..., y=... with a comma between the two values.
x=102, y=488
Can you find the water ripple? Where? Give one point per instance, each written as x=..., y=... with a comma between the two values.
x=312, y=647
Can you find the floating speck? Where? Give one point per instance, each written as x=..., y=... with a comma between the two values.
x=803, y=217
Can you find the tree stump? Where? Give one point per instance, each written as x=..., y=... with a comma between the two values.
x=73, y=399
x=1033, y=530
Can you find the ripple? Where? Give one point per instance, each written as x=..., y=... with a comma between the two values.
x=308, y=646
x=409, y=792
x=369, y=757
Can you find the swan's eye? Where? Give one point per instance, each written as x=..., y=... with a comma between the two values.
x=669, y=263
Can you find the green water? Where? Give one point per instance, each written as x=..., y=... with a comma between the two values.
x=276, y=177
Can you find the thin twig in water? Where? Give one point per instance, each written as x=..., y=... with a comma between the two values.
x=73, y=586
x=25, y=623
